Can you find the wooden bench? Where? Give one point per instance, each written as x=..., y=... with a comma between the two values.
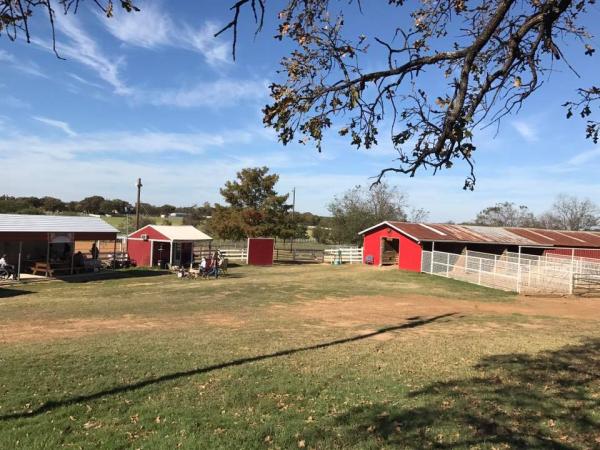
x=48, y=270
x=42, y=267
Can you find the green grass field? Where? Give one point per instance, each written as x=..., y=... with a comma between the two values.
x=295, y=357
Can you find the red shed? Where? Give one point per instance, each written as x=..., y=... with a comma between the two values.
x=172, y=245
x=386, y=244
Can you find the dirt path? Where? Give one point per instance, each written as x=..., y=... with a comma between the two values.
x=343, y=313
x=385, y=310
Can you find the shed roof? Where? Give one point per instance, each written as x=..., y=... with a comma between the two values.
x=181, y=232
x=493, y=235
x=22, y=223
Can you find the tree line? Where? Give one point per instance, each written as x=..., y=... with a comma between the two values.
x=252, y=207
x=566, y=213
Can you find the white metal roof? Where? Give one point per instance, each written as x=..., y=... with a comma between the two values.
x=22, y=223
x=182, y=232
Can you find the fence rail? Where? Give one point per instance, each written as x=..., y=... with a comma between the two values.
x=352, y=255
x=586, y=284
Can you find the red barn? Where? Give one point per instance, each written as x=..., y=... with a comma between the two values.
x=401, y=243
x=159, y=245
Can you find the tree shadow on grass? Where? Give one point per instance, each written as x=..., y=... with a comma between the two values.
x=548, y=400
x=112, y=275
x=7, y=293
x=54, y=404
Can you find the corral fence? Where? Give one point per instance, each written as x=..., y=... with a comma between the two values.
x=306, y=255
x=524, y=273
x=232, y=254
x=586, y=284
x=342, y=255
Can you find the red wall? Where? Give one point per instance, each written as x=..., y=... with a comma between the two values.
x=581, y=253
x=151, y=232
x=260, y=251
x=410, y=251
x=140, y=251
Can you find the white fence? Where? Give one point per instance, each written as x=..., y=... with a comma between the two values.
x=352, y=255
x=511, y=271
x=235, y=254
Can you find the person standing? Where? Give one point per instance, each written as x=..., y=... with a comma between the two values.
x=216, y=261
x=94, y=251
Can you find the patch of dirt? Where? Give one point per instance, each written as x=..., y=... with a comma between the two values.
x=42, y=331
x=386, y=310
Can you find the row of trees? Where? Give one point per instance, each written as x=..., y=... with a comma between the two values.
x=566, y=213
x=90, y=205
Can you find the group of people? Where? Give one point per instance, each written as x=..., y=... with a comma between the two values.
x=8, y=268
x=210, y=267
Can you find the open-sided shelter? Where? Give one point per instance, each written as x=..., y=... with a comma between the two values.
x=28, y=240
x=401, y=243
x=159, y=245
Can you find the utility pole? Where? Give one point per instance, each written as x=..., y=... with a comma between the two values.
x=137, y=204
x=293, y=217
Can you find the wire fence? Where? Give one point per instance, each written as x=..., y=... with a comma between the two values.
x=524, y=273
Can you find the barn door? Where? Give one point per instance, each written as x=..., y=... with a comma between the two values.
x=390, y=249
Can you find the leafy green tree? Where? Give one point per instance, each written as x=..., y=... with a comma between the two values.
x=91, y=205
x=253, y=208
x=51, y=204
x=361, y=208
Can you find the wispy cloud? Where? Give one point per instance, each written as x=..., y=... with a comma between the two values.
x=585, y=157
x=526, y=130
x=153, y=28
x=27, y=67
x=215, y=94
x=119, y=144
x=77, y=45
x=63, y=126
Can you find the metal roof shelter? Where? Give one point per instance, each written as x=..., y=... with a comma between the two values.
x=155, y=245
x=21, y=223
x=35, y=235
x=473, y=234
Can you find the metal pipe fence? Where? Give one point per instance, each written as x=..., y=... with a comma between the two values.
x=516, y=272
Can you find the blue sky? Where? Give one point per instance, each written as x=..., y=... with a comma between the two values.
x=154, y=95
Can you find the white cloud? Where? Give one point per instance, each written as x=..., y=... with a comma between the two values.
x=63, y=126
x=77, y=45
x=122, y=143
x=27, y=67
x=214, y=94
x=585, y=157
x=14, y=102
x=153, y=28
x=526, y=130
x=214, y=51
x=148, y=28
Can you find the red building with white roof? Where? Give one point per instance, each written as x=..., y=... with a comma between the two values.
x=172, y=245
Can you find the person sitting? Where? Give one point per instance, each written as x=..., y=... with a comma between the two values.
x=9, y=268
x=78, y=259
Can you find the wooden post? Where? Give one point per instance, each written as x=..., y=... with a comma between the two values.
x=48, y=257
x=137, y=204
x=114, y=264
x=19, y=261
